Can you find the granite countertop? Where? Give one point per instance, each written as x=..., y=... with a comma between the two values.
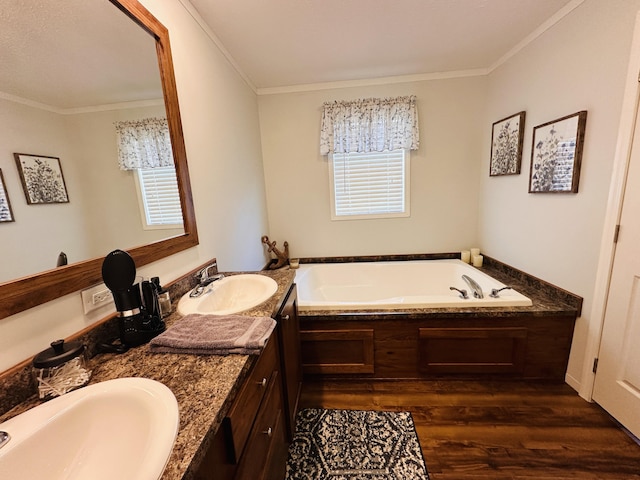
x=204, y=385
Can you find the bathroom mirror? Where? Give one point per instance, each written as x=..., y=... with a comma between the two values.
x=39, y=287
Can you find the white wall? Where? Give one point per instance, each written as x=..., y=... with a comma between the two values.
x=220, y=120
x=579, y=64
x=38, y=229
x=444, y=172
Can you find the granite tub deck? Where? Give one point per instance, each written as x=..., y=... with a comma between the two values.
x=547, y=299
x=204, y=385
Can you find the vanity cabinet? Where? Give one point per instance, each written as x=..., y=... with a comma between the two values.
x=251, y=441
x=290, y=359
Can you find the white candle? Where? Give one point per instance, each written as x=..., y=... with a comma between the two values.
x=477, y=260
x=474, y=252
x=465, y=256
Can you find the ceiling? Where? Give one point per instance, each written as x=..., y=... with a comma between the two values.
x=77, y=54
x=285, y=43
x=71, y=54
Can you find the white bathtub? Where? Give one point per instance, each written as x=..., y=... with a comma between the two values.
x=393, y=285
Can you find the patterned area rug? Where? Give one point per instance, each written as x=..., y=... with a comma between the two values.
x=355, y=445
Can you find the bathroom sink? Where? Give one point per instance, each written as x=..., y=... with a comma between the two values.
x=231, y=294
x=123, y=428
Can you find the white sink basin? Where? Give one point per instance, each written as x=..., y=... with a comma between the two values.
x=231, y=294
x=123, y=428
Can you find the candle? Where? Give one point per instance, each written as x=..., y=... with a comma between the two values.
x=477, y=260
x=474, y=252
x=465, y=256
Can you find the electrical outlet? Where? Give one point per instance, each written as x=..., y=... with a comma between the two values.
x=96, y=297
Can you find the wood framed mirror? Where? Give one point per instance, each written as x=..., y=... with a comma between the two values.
x=29, y=291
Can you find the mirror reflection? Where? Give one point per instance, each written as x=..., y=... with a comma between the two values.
x=68, y=77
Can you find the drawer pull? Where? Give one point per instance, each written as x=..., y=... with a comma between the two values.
x=285, y=317
x=263, y=382
x=268, y=432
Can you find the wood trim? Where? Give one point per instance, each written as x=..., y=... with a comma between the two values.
x=28, y=292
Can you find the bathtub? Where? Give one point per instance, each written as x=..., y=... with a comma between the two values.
x=396, y=285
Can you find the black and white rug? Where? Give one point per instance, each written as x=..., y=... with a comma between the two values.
x=355, y=445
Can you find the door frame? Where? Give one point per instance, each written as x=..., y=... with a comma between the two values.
x=621, y=161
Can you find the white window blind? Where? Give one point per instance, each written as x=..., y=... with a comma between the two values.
x=370, y=185
x=159, y=196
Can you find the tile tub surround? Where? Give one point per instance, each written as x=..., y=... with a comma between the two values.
x=204, y=385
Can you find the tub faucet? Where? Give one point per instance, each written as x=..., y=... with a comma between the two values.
x=463, y=292
x=4, y=438
x=473, y=285
x=205, y=279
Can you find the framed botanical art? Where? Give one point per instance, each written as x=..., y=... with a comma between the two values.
x=556, y=154
x=507, y=137
x=42, y=179
x=6, y=214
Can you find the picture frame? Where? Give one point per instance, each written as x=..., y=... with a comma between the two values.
x=6, y=214
x=556, y=154
x=507, y=138
x=42, y=179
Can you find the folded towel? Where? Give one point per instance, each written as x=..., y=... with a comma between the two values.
x=215, y=335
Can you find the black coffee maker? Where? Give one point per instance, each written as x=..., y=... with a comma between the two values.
x=137, y=303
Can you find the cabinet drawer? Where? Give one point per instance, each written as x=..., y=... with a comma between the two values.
x=239, y=420
x=266, y=452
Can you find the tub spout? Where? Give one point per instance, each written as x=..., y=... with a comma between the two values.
x=463, y=293
x=473, y=285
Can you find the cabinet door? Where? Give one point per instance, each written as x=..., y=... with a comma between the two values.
x=266, y=454
x=291, y=363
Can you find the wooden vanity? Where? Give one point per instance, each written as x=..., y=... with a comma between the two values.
x=253, y=438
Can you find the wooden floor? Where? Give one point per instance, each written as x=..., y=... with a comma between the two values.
x=496, y=430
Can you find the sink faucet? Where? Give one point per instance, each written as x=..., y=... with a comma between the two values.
x=205, y=279
x=473, y=285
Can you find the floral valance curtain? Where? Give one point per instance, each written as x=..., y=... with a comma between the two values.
x=369, y=125
x=144, y=144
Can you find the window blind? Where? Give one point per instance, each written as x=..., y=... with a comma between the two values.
x=160, y=195
x=370, y=184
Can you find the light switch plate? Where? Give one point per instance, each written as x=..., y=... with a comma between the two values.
x=96, y=297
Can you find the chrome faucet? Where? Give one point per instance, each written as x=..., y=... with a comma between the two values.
x=4, y=438
x=473, y=285
x=495, y=291
x=205, y=279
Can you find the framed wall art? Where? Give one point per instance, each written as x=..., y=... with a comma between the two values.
x=42, y=179
x=6, y=214
x=507, y=137
x=556, y=155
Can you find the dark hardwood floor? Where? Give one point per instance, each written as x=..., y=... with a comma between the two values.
x=485, y=430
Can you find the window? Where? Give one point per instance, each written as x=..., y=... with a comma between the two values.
x=159, y=197
x=369, y=185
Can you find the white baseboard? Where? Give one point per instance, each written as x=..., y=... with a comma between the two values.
x=572, y=382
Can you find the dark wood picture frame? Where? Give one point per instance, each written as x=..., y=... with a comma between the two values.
x=507, y=138
x=42, y=179
x=6, y=214
x=556, y=154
